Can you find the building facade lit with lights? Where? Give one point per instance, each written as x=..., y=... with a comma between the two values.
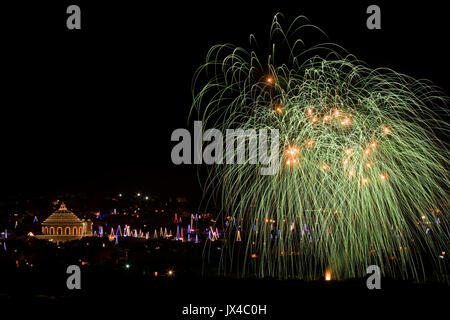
x=64, y=225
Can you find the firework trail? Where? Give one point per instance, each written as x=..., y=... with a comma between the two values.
x=364, y=172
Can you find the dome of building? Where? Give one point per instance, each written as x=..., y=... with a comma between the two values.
x=64, y=225
x=62, y=216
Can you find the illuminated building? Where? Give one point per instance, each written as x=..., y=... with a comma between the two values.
x=64, y=225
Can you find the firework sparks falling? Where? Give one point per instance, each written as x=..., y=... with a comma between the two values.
x=361, y=162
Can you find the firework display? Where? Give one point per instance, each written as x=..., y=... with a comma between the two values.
x=363, y=175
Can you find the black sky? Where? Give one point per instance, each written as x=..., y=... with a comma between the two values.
x=94, y=109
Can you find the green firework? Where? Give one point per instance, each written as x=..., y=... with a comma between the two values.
x=363, y=177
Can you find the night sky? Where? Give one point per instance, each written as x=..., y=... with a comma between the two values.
x=93, y=110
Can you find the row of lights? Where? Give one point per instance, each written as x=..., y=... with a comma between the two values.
x=137, y=194
x=169, y=273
